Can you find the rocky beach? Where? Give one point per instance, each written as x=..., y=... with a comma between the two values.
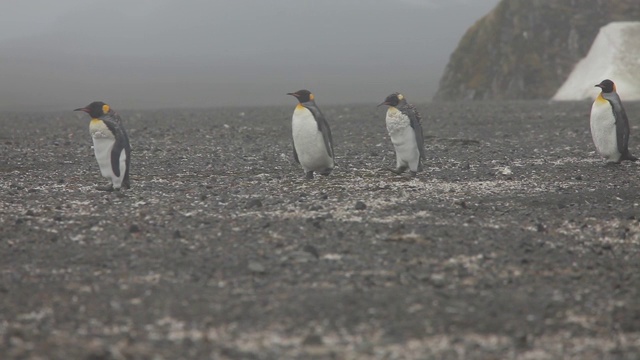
x=515, y=242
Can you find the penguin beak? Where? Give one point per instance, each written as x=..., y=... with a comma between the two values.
x=82, y=109
x=383, y=103
x=293, y=94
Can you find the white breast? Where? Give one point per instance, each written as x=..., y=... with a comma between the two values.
x=102, y=148
x=308, y=141
x=402, y=135
x=396, y=121
x=603, y=130
x=100, y=130
x=103, y=141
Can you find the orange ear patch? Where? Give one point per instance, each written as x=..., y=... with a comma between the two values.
x=311, y=97
x=105, y=108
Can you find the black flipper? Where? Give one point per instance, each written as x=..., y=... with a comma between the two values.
x=115, y=157
x=323, y=126
x=126, y=183
x=622, y=125
x=121, y=144
x=415, y=121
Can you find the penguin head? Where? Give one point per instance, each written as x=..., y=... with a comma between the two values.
x=393, y=99
x=607, y=86
x=303, y=96
x=96, y=109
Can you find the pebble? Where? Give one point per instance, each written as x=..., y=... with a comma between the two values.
x=312, y=340
x=257, y=267
x=438, y=280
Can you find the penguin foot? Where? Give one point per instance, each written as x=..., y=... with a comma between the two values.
x=309, y=175
x=413, y=173
x=105, y=188
x=326, y=172
x=399, y=170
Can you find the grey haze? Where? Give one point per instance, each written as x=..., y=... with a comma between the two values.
x=169, y=53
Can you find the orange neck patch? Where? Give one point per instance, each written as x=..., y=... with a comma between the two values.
x=600, y=99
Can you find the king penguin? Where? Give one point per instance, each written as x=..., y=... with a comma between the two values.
x=312, y=141
x=110, y=144
x=405, y=130
x=609, y=125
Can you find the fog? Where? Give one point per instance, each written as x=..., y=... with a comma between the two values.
x=143, y=54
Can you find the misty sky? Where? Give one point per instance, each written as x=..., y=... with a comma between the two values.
x=169, y=53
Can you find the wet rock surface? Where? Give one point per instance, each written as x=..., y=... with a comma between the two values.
x=515, y=242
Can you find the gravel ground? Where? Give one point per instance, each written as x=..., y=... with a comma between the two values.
x=516, y=242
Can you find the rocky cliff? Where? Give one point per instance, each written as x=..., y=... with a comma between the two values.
x=525, y=49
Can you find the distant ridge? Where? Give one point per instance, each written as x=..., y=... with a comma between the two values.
x=615, y=55
x=526, y=49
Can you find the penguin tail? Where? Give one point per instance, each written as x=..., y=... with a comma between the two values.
x=628, y=156
x=126, y=183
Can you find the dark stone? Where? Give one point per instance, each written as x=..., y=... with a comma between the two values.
x=311, y=250
x=253, y=203
x=360, y=205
